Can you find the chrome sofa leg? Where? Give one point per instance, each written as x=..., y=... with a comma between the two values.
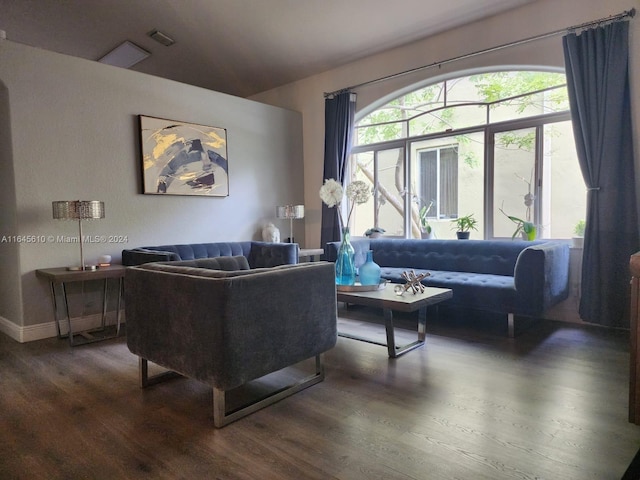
x=511, y=325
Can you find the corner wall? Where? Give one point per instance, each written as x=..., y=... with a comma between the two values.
x=74, y=135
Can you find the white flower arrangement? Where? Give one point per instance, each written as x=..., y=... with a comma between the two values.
x=332, y=193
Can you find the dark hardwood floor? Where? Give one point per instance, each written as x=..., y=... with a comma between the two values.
x=471, y=404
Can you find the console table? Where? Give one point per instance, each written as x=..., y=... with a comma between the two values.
x=310, y=253
x=59, y=277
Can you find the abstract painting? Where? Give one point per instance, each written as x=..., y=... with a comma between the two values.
x=180, y=158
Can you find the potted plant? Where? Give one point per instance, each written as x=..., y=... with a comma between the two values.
x=464, y=225
x=374, y=232
x=526, y=229
x=425, y=228
x=578, y=230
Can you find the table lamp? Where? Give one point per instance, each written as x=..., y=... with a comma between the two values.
x=79, y=210
x=290, y=212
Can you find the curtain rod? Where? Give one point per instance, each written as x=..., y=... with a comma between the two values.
x=613, y=18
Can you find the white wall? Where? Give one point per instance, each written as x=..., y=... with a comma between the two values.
x=537, y=18
x=69, y=131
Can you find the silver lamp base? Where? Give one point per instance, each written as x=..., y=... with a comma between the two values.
x=85, y=268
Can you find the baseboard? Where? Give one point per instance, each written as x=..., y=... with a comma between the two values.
x=10, y=329
x=40, y=331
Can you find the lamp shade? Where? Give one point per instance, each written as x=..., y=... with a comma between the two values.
x=290, y=211
x=78, y=209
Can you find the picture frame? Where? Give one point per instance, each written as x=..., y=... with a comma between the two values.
x=181, y=158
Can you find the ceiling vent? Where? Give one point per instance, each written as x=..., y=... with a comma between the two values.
x=160, y=37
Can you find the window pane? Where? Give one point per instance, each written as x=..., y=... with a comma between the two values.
x=564, y=196
x=540, y=103
x=513, y=179
x=387, y=202
x=448, y=172
x=378, y=133
x=453, y=118
x=496, y=86
x=362, y=218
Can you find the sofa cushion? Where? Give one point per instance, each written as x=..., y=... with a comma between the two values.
x=204, y=250
x=480, y=256
x=481, y=290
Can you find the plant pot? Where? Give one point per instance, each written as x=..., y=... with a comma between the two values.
x=577, y=242
x=426, y=235
x=531, y=234
x=463, y=235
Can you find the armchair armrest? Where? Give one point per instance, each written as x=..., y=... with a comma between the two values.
x=265, y=254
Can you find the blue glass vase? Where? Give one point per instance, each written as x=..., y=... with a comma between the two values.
x=345, y=266
x=369, y=271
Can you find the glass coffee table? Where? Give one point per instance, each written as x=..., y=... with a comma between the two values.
x=389, y=301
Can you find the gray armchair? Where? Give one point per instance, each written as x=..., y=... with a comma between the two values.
x=226, y=328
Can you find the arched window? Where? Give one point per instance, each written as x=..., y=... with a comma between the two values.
x=492, y=145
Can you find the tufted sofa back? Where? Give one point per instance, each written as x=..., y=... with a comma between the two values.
x=478, y=256
x=258, y=254
x=497, y=257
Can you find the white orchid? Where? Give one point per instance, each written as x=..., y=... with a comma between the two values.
x=332, y=192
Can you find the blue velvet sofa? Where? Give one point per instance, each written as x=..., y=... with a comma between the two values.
x=258, y=254
x=510, y=277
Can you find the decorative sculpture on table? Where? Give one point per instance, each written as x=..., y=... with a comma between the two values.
x=270, y=233
x=414, y=283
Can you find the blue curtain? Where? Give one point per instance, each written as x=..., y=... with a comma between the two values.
x=339, y=112
x=599, y=94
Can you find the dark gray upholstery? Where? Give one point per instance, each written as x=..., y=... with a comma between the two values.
x=226, y=328
x=227, y=264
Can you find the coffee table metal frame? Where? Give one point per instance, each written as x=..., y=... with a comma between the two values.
x=389, y=301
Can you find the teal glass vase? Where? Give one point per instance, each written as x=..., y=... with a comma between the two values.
x=369, y=271
x=345, y=265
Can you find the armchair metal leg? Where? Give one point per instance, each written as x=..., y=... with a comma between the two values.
x=146, y=380
x=221, y=417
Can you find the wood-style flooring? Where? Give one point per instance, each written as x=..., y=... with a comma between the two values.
x=471, y=404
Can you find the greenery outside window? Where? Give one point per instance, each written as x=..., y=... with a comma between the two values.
x=472, y=145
